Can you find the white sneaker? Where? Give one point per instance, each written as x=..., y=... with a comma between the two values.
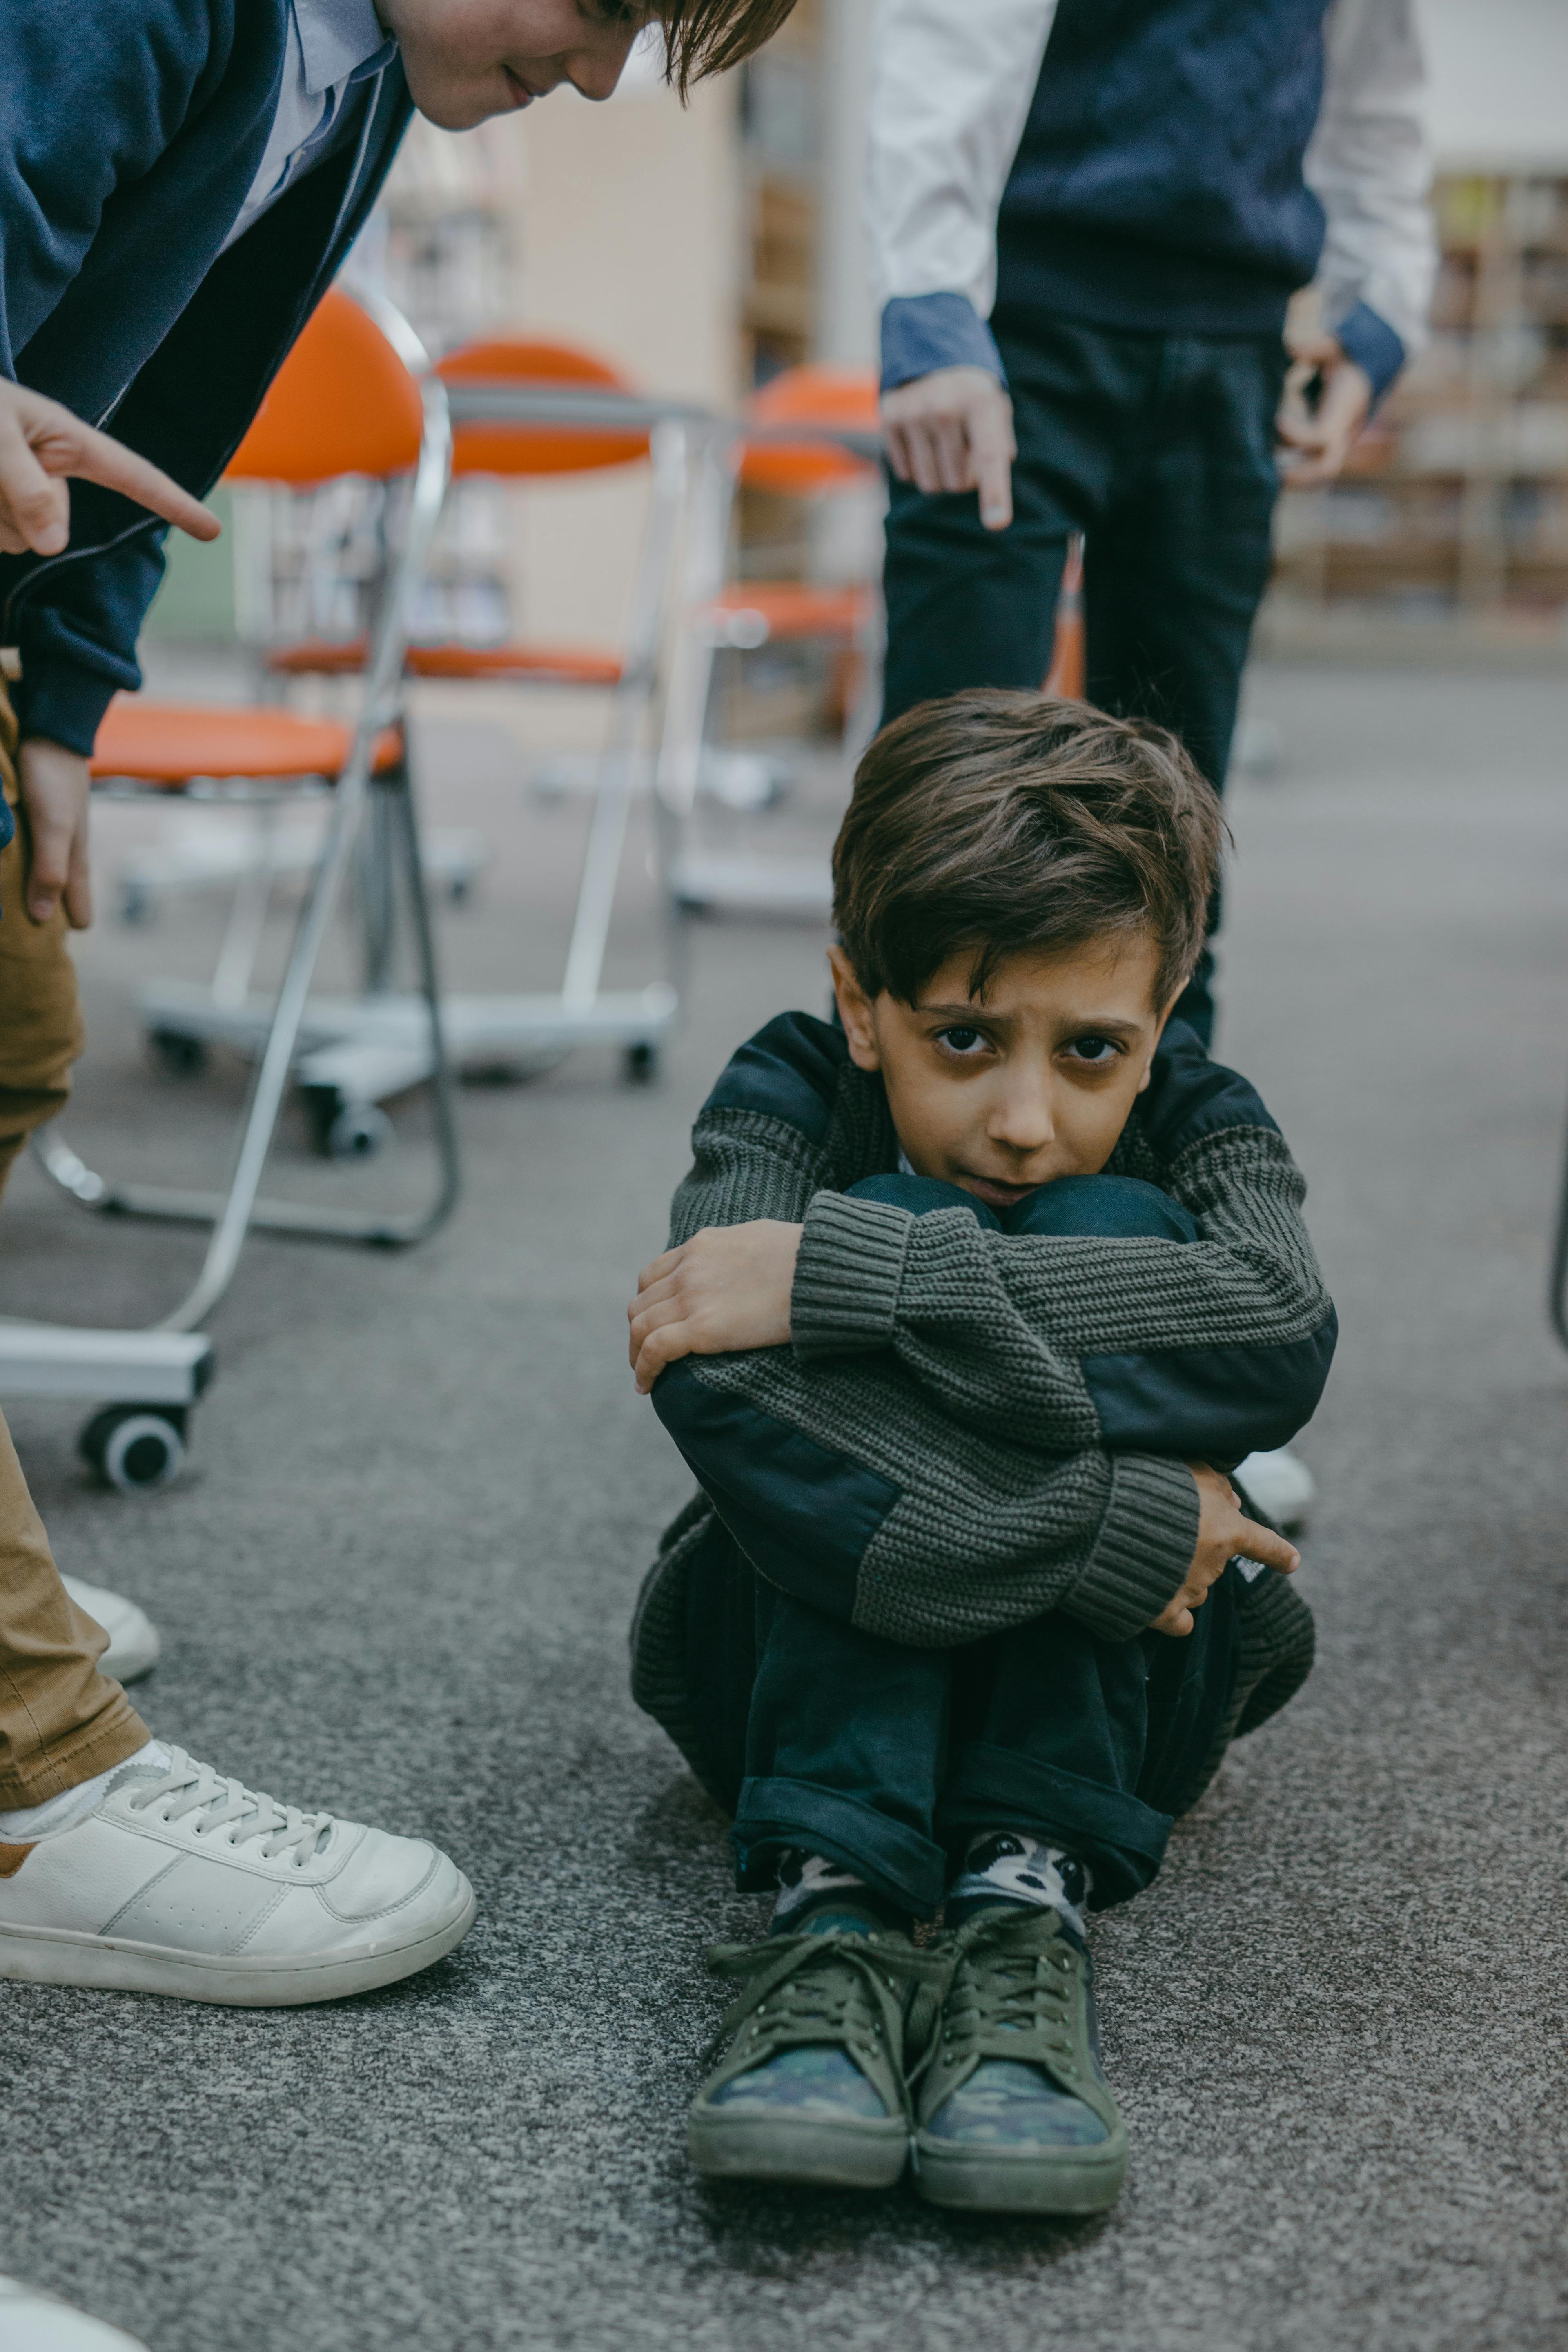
x=32, y=2321
x=134, y=1644
x=181, y=1882
x=1281, y=1486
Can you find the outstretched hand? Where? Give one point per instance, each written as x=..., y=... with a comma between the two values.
x=728, y=1288
x=40, y=444
x=953, y=430
x=1224, y=1530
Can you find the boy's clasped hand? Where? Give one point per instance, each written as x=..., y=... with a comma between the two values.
x=727, y=1288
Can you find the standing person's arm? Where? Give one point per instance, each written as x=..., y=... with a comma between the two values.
x=950, y=93
x=1370, y=168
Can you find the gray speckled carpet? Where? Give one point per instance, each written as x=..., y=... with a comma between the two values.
x=397, y=1579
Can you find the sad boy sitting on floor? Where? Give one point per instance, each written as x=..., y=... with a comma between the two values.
x=969, y=1304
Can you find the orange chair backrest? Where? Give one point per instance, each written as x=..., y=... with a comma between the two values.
x=536, y=448
x=831, y=397
x=341, y=402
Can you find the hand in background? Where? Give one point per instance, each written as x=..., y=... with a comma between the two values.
x=54, y=785
x=728, y=1288
x=1222, y=1530
x=40, y=443
x=1320, y=434
x=953, y=430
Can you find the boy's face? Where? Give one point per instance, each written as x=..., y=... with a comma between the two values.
x=466, y=59
x=1035, y=1081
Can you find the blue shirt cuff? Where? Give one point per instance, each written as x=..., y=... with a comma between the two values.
x=922, y=332
x=1371, y=342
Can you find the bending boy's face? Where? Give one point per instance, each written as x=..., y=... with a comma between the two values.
x=1033, y=1081
x=466, y=59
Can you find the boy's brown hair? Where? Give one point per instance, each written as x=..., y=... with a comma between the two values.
x=708, y=37
x=1003, y=823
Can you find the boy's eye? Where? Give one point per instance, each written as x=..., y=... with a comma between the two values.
x=1098, y=1052
x=963, y=1040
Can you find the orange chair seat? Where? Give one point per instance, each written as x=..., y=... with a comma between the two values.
x=791, y=608
x=170, y=743
x=563, y=665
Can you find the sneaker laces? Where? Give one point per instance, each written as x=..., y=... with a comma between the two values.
x=188, y=1787
x=836, y=1987
x=1008, y=1995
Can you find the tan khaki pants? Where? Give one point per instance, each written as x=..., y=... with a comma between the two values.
x=60, y=1720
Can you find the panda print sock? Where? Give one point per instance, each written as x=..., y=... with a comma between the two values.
x=1010, y=1866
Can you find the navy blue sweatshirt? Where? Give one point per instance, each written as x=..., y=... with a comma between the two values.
x=130, y=135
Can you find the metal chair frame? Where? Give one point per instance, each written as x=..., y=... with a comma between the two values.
x=356, y=792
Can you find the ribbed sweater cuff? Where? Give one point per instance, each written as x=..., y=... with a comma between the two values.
x=847, y=1276
x=1147, y=1539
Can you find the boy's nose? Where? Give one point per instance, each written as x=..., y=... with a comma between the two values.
x=594, y=72
x=1022, y=1120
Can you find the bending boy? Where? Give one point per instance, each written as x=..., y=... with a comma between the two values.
x=179, y=181
x=969, y=1305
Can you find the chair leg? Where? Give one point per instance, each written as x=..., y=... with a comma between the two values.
x=233, y=1213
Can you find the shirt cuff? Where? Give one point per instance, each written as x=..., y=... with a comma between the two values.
x=1147, y=1539
x=922, y=332
x=1371, y=343
x=63, y=701
x=847, y=1276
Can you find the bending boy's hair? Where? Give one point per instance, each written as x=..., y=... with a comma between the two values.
x=1010, y=823
x=708, y=37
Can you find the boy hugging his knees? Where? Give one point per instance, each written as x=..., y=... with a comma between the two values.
x=969, y=1304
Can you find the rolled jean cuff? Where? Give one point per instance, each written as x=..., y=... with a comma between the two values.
x=894, y=1860
x=1119, y=1839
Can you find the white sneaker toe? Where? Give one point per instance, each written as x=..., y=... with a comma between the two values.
x=183, y=1882
x=32, y=2321
x=134, y=1644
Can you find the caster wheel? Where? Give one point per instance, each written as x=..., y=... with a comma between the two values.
x=358, y=1133
x=640, y=1064
x=136, y=906
x=460, y=890
x=136, y=1447
x=177, y=1055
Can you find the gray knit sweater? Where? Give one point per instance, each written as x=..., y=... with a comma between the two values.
x=970, y=1427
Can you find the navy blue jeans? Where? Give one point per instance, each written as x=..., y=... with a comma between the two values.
x=1160, y=448
x=886, y=1759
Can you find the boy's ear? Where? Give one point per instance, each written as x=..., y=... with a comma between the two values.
x=854, y=1012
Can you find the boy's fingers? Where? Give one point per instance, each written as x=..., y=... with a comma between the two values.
x=79, y=882
x=657, y=1268
x=899, y=452
x=97, y=458
x=50, y=868
x=992, y=452
x=39, y=506
x=661, y=1348
x=1263, y=1544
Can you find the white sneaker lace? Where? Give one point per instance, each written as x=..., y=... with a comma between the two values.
x=188, y=1787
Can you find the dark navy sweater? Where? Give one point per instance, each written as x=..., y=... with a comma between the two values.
x=130, y=133
x=1158, y=182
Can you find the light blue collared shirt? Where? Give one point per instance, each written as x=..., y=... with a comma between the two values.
x=330, y=45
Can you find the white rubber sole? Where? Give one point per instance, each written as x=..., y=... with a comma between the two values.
x=65, y=1956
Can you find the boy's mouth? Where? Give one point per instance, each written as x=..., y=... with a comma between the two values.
x=521, y=94
x=996, y=1195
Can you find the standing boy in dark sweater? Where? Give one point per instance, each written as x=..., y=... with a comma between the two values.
x=1101, y=208
x=969, y=1305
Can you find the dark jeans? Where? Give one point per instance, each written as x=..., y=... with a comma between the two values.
x=1160, y=449
x=887, y=1758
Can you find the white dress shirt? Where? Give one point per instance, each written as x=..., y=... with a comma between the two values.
x=330, y=45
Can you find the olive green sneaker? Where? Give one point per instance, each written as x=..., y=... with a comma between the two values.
x=1014, y=2115
x=810, y=2087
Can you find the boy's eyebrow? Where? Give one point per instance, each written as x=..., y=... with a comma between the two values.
x=1109, y=1025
